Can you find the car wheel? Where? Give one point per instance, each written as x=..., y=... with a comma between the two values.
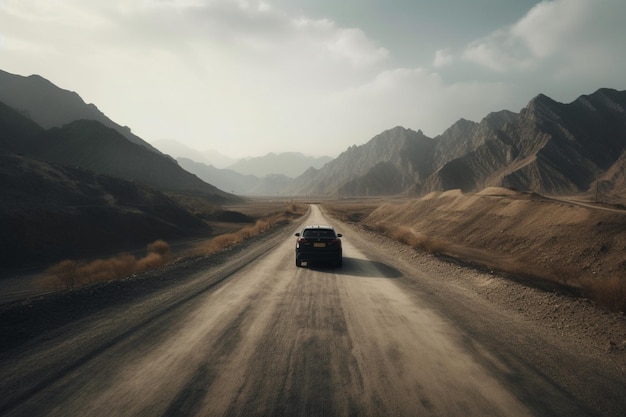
x=339, y=262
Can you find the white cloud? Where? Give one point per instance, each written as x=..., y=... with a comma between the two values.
x=216, y=70
x=556, y=38
x=548, y=26
x=420, y=99
x=353, y=45
x=443, y=57
x=499, y=52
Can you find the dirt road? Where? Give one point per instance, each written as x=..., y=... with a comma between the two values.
x=257, y=336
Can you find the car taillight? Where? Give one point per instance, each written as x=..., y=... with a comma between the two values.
x=335, y=242
x=302, y=240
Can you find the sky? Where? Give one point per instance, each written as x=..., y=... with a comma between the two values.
x=248, y=77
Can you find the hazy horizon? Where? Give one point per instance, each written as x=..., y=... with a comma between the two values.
x=246, y=78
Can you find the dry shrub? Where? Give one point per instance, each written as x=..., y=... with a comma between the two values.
x=65, y=273
x=98, y=270
x=262, y=226
x=224, y=241
x=158, y=255
x=292, y=207
x=123, y=265
x=159, y=247
x=250, y=231
x=228, y=240
x=609, y=292
x=70, y=274
x=150, y=261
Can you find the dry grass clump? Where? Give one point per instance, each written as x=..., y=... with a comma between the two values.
x=228, y=240
x=70, y=274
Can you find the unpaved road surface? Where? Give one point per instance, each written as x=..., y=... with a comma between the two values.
x=257, y=336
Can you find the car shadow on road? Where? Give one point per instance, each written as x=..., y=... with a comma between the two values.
x=354, y=267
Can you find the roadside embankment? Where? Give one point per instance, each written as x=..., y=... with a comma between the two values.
x=541, y=241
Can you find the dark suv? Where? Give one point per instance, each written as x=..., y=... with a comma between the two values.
x=318, y=243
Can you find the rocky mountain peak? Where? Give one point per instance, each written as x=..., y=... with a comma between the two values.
x=460, y=129
x=549, y=148
x=497, y=120
x=605, y=98
x=541, y=107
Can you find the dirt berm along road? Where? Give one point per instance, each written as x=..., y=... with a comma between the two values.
x=257, y=336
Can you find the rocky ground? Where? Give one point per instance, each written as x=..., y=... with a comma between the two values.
x=590, y=327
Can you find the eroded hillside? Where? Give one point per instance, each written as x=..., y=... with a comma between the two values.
x=548, y=147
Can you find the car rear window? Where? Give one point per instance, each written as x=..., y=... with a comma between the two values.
x=319, y=233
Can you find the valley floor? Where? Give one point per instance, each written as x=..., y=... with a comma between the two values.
x=245, y=332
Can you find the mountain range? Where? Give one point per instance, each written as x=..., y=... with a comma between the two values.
x=207, y=156
x=77, y=134
x=289, y=164
x=261, y=176
x=235, y=182
x=63, y=160
x=50, y=106
x=548, y=147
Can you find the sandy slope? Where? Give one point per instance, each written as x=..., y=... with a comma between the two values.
x=558, y=241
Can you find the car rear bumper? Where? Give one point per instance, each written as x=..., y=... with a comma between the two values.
x=313, y=256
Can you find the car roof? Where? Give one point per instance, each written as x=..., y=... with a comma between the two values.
x=318, y=226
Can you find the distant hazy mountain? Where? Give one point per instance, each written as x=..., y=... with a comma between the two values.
x=274, y=184
x=50, y=106
x=224, y=179
x=234, y=182
x=273, y=173
x=291, y=164
x=548, y=147
x=207, y=157
x=387, y=164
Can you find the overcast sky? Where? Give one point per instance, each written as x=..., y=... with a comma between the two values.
x=247, y=77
